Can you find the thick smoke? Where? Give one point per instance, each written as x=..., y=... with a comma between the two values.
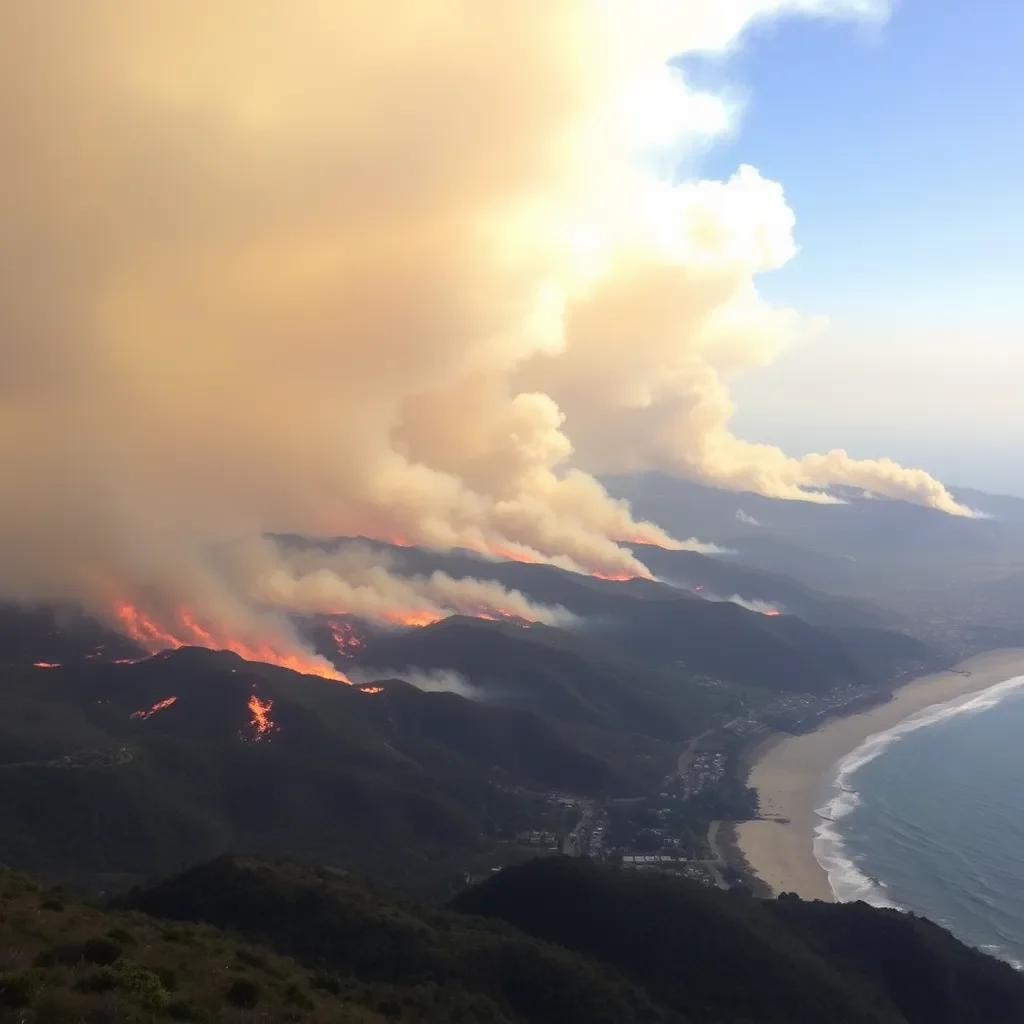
x=355, y=580
x=336, y=268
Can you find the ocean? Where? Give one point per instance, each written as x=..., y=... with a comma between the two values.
x=929, y=817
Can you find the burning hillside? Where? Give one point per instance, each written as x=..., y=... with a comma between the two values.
x=183, y=630
x=160, y=705
x=242, y=297
x=261, y=725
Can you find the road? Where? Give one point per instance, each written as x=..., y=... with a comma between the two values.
x=576, y=841
x=717, y=862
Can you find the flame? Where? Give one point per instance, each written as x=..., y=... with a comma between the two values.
x=415, y=617
x=158, y=706
x=371, y=689
x=46, y=664
x=260, y=720
x=346, y=639
x=155, y=638
x=771, y=611
x=621, y=577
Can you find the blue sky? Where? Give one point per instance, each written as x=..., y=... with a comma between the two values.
x=901, y=150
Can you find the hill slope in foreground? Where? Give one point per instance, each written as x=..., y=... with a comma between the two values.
x=554, y=942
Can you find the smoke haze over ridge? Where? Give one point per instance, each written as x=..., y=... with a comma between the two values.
x=328, y=268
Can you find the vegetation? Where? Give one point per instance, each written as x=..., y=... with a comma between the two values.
x=80, y=963
x=557, y=941
x=688, y=947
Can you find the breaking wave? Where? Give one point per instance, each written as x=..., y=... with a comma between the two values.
x=847, y=881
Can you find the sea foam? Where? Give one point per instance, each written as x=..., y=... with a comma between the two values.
x=847, y=881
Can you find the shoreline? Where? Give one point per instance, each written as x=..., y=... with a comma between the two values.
x=790, y=772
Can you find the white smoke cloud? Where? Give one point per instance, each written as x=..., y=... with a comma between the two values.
x=330, y=268
x=430, y=681
x=357, y=580
x=743, y=517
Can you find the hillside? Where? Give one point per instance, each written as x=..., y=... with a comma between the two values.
x=724, y=577
x=342, y=926
x=604, y=945
x=139, y=768
x=688, y=946
x=822, y=642
x=574, y=676
x=65, y=962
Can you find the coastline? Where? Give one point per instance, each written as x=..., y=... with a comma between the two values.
x=789, y=772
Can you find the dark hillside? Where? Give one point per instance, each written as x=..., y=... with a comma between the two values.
x=102, y=772
x=337, y=923
x=722, y=956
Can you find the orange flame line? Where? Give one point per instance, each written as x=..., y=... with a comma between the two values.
x=154, y=638
x=158, y=706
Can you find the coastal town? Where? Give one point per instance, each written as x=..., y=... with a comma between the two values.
x=687, y=825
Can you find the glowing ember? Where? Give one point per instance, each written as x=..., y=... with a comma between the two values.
x=45, y=664
x=188, y=632
x=158, y=706
x=260, y=721
x=371, y=689
x=346, y=639
x=771, y=611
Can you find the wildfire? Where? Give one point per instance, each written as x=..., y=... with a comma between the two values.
x=46, y=664
x=260, y=721
x=346, y=639
x=518, y=553
x=621, y=577
x=416, y=617
x=188, y=632
x=771, y=611
x=160, y=705
x=371, y=689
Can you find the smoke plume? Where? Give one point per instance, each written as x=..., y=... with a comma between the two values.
x=332, y=268
x=439, y=680
x=355, y=580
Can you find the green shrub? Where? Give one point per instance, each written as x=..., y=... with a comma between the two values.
x=243, y=993
x=141, y=984
x=137, y=983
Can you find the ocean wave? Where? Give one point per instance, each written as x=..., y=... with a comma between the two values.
x=847, y=881
x=1001, y=954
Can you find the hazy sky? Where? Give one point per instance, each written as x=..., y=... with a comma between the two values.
x=900, y=150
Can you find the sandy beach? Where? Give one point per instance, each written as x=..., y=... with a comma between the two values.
x=789, y=771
